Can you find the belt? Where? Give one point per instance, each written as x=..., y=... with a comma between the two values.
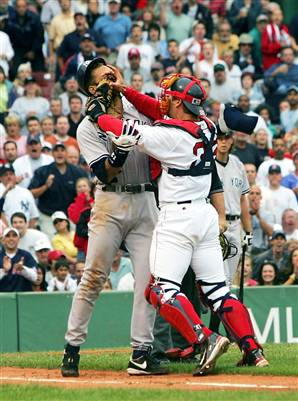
x=129, y=188
x=232, y=217
x=182, y=202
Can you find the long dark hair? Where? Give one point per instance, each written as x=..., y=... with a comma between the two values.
x=43, y=284
x=274, y=265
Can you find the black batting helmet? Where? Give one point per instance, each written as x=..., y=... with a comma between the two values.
x=191, y=91
x=84, y=71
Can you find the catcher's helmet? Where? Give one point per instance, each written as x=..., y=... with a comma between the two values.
x=84, y=70
x=193, y=94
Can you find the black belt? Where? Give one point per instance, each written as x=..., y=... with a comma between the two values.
x=182, y=202
x=129, y=188
x=232, y=217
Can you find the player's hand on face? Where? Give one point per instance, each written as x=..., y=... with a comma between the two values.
x=119, y=84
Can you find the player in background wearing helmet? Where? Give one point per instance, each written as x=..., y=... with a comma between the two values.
x=124, y=211
x=232, y=174
x=187, y=232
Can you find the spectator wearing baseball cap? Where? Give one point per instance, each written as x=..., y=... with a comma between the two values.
x=222, y=87
x=54, y=186
x=289, y=118
x=14, y=198
x=244, y=57
x=86, y=52
x=63, y=239
x=30, y=103
x=256, y=34
x=286, y=164
x=70, y=44
x=26, y=165
x=290, y=181
x=17, y=266
x=134, y=60
x=157, y=73
x=277, y=198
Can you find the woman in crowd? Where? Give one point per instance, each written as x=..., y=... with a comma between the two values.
x=63, y=239
x=248, y=281
x=13, y=133
x=40, y=283
x=291, y=272
x=268, y=274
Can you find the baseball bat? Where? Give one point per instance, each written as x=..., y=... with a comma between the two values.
x=241, y=284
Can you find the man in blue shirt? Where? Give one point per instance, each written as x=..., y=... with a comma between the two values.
x=281, y=76
x=291, y=180
x=289, y=117
x=17, y=267
x=114, y=28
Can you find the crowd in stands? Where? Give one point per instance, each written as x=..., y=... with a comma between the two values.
x=243, y=52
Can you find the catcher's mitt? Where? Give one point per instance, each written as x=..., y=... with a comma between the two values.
x=228, y=249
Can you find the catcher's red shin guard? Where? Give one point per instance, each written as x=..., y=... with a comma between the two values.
x=177, y=310
x=236, y=320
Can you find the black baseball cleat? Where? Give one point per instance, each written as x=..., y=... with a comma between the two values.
x=253, y=358
x=212, y=348
x=70, y=362
x=146, y=365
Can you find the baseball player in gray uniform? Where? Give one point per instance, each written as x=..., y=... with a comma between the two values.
x=124, y=210
x=235, y=184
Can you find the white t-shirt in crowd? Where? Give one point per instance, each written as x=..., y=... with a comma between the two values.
x=25, y=166
x=276, y=201
x=29, y=239
x=286, y=166
x=19, y=199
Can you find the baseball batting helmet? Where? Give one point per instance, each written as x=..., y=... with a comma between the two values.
x=84, y=71
x=187, y=88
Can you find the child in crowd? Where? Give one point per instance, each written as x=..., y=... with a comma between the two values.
x=62, y=281
x=248, y=281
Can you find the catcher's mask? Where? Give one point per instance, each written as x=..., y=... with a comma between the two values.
x=84, y=71
x=228, y=249
x=184, y=87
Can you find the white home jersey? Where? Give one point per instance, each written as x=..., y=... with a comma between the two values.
x=170, y=145
x=95, y=144
x=234, y=182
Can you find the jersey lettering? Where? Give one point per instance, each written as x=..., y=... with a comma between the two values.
x=237, y=182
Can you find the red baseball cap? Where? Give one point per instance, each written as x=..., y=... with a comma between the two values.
x=134, y=52
x=55, y=255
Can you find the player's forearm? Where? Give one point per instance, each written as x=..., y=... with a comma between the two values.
x=218, y=201
x=143, y=103
x=245, y=216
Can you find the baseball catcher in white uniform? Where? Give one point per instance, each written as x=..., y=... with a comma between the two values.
x=187, y=232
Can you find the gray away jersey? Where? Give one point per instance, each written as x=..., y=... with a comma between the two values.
x=235, y=183
x=95, y=144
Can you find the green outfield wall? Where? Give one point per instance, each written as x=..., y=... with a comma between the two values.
x=37, y=321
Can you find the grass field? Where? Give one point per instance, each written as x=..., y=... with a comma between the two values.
x=283, y=362
x=38, y=393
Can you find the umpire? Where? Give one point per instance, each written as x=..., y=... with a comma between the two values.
x=124, y=211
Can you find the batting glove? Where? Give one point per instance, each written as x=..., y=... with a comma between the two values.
x=247, y=240
x=128, y=138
